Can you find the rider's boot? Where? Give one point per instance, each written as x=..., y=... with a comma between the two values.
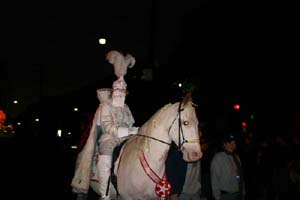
x=105, y=198
x=104, y=169
x=81, y=196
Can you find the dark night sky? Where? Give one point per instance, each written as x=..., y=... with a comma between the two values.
x=233, y=51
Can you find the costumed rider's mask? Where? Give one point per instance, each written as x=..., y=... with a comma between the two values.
x=119, y=92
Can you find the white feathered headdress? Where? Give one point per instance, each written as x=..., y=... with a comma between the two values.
x=120, y=62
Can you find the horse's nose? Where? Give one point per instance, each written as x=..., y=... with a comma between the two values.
x=192, y=154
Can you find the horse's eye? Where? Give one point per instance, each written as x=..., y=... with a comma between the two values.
x=186, y=123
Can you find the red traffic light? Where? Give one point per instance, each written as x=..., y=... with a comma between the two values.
x=236, y=106
x=244, y=124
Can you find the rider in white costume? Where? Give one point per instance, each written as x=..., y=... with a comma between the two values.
x=116, y=120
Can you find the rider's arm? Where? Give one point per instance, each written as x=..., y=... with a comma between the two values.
x=109, y=125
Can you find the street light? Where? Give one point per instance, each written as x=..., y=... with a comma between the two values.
x=102, y=41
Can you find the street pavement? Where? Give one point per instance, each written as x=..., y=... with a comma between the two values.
x=35, y=169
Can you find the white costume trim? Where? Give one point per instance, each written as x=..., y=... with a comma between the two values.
x=123, y=132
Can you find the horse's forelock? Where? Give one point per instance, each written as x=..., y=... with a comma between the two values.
x=187, y=102
x=187, y=99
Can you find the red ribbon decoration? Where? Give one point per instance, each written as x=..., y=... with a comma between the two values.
x=162, y=187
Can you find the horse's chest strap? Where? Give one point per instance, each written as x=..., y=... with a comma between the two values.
x=162, y=185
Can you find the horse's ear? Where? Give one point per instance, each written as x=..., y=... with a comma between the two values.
x=187, y=99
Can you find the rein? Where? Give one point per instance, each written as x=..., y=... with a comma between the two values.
x=153, y=138
x=159, y=140
x=180, y=128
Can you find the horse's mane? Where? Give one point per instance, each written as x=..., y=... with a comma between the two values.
x=161, y=117
x=164, y=116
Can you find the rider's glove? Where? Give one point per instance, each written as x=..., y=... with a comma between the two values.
x=133, y=130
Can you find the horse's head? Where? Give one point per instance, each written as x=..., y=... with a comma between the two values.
x=186, y=134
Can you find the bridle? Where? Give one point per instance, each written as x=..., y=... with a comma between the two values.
x=180, y=132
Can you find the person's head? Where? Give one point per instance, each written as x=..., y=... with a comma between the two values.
x=229, y=143
x=2, y=117
x=119, y=92
x=104, y=94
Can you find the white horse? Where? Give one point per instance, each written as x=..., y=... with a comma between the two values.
x=140, y=166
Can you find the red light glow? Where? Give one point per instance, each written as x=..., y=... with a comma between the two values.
x=236, y=107
x=244, y=124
